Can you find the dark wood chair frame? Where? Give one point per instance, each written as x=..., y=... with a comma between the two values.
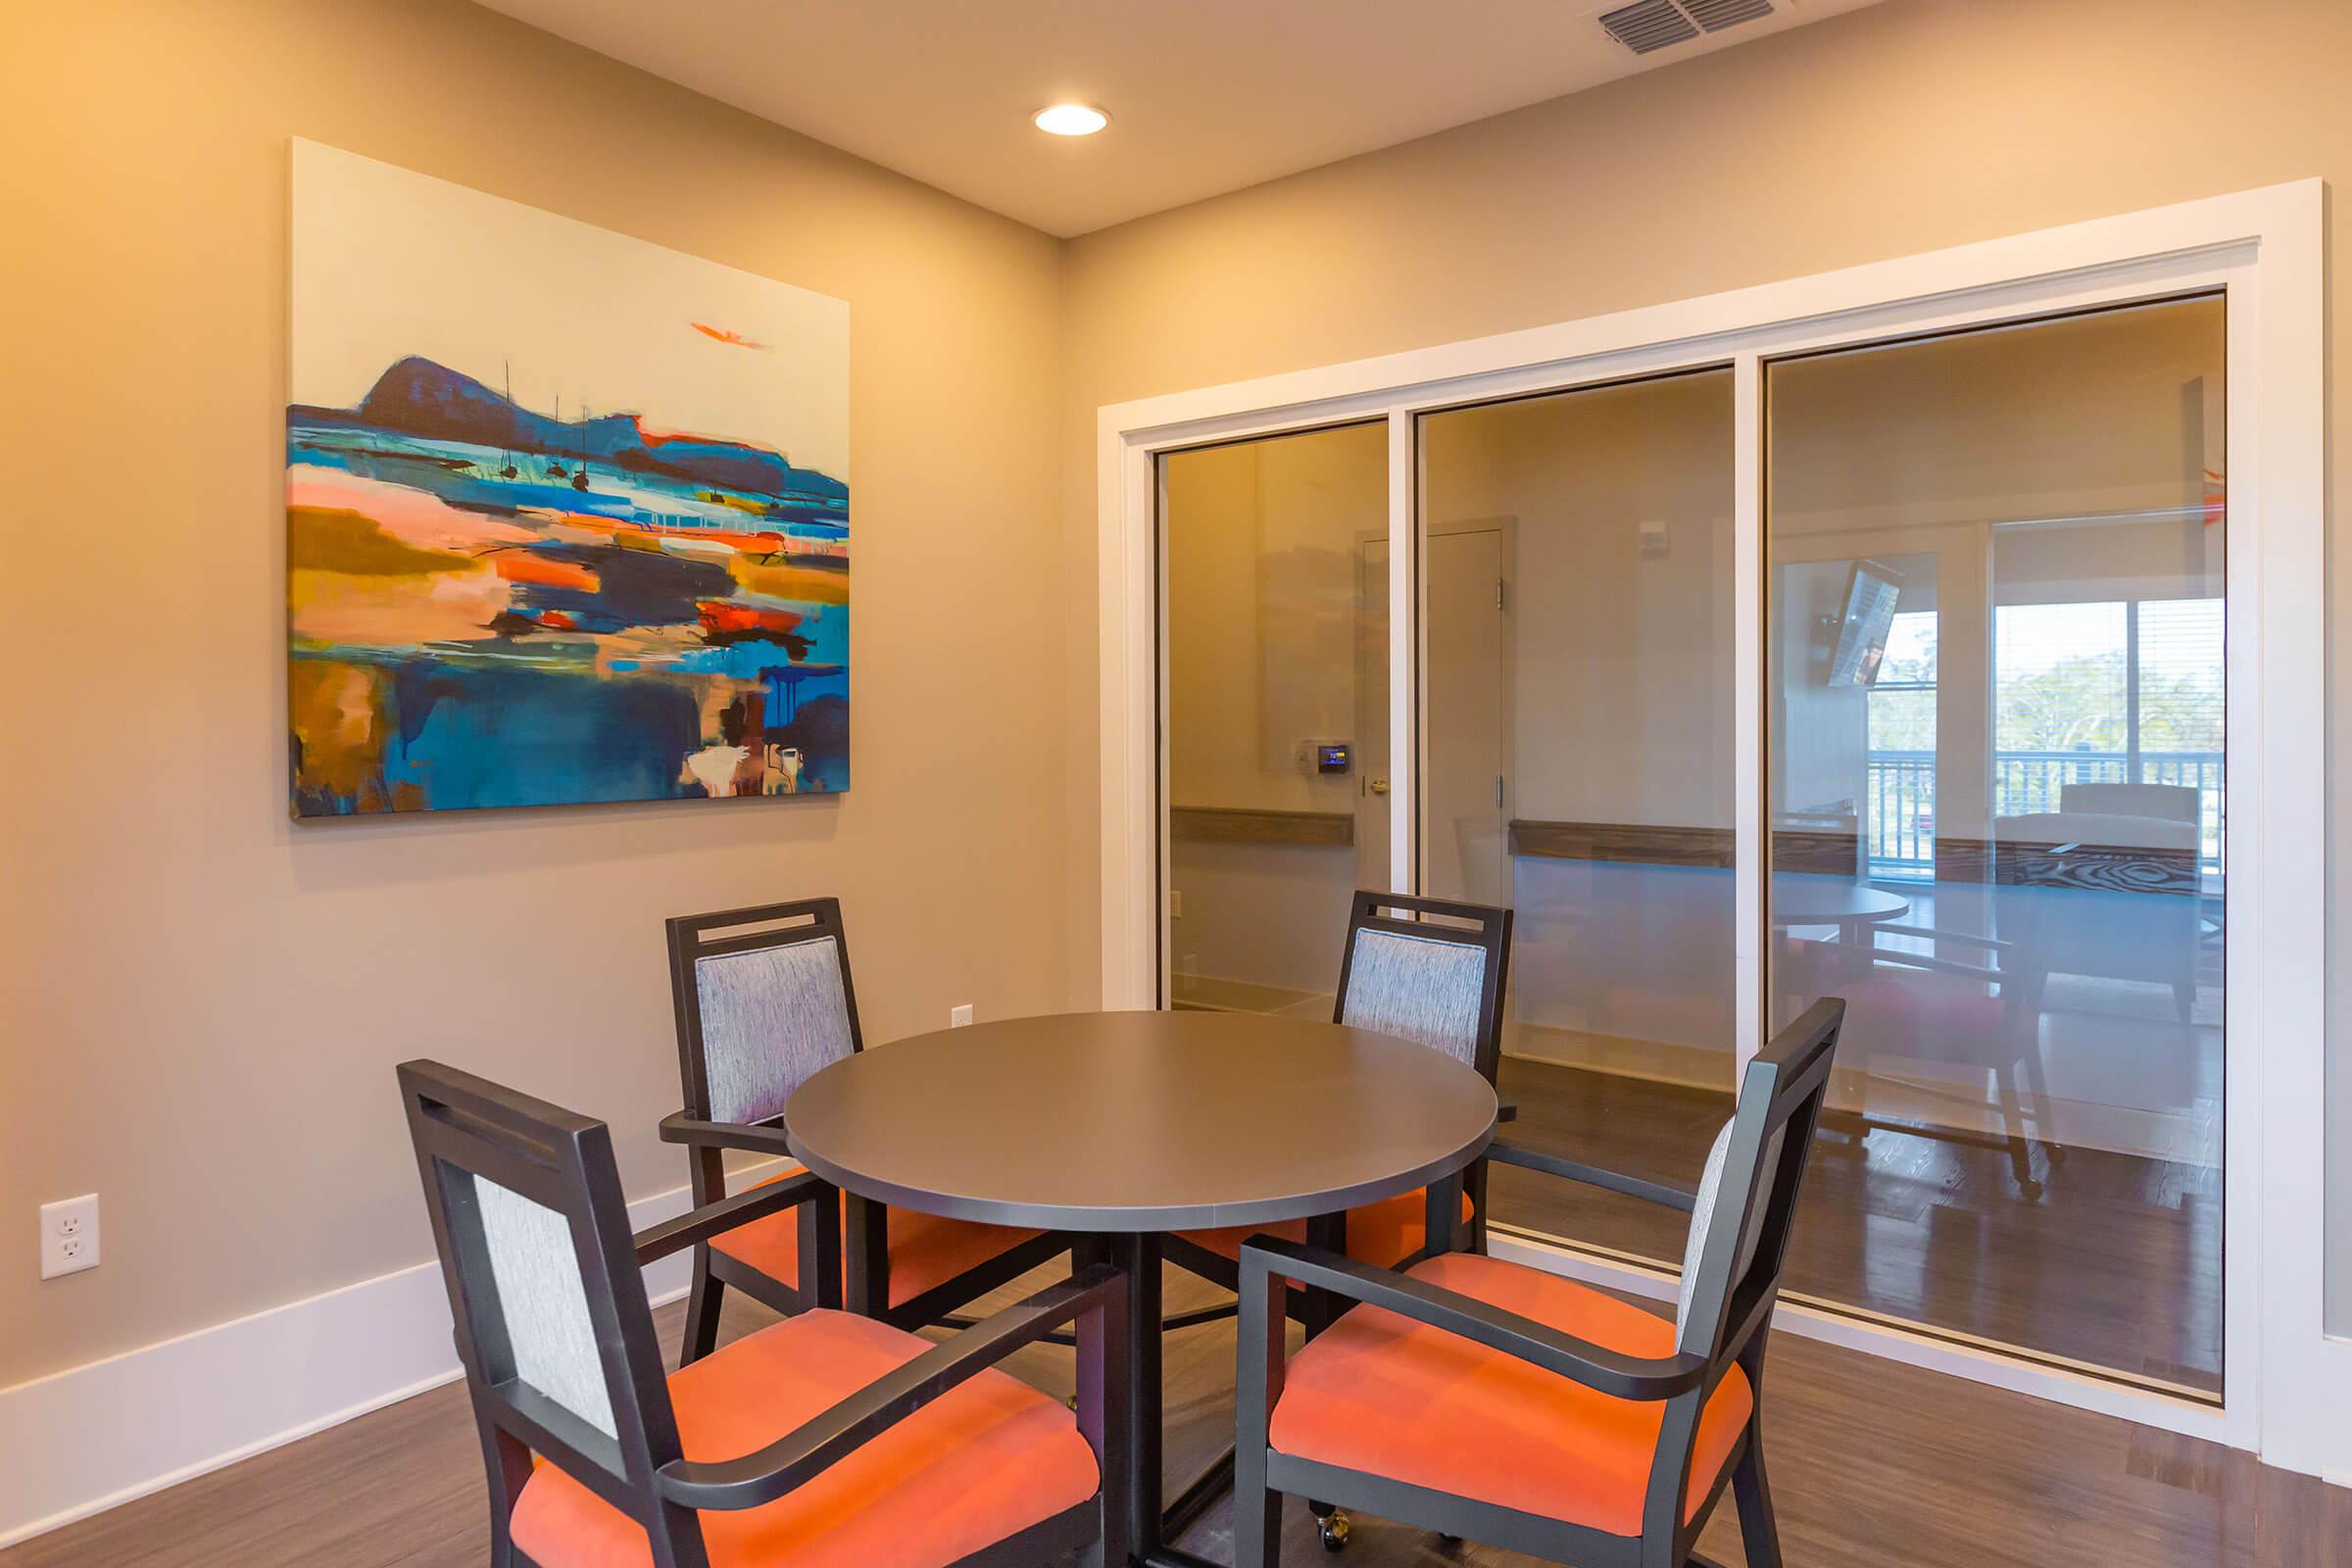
x=462, y=1123
x=859, y=1279
x=1474, y=925
x=1784, y=1091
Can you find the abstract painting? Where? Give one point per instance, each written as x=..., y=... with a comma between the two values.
x=568, y=514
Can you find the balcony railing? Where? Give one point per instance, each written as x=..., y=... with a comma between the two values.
x=1900, y=802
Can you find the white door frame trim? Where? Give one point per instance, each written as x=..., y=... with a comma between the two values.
x=2266, y=248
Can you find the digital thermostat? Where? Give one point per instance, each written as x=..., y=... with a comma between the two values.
x=1332, y=757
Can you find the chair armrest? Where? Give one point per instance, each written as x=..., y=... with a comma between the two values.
x=716, y=1220
x=1627, y=1377
x=823, y=1441
x=1503, y=1153
x=679, y=1128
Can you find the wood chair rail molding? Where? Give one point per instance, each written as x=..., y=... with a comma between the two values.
x=1637, y=843
x=1246, y=825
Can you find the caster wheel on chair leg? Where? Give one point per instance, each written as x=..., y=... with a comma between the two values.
x=1333, y=1528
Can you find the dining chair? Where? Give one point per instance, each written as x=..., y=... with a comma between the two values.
x=1913, y=1007
x=763, y=1000
x=822, y=1441
x=1504, y=1404
x=1435, y=972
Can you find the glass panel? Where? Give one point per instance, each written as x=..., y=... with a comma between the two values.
x=1994, y=721
x=1277, y=712
x=1578, y=702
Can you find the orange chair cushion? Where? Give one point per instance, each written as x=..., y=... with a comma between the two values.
x=985, y=1460
x=1382, y=1394
x=925, y=1251
x=1383, y=1233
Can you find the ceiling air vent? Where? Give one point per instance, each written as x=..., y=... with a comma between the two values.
x=1713, y=15
x=1652, y=24
x=1648, y=25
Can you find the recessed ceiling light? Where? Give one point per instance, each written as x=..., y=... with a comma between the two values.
x=1070, y=119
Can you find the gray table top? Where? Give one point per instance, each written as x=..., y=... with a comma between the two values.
x=1807, y=898
x=1141, y=1121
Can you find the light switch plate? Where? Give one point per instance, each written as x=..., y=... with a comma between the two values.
x=960, y=1016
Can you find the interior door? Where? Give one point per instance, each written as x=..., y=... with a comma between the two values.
x=1268, y=637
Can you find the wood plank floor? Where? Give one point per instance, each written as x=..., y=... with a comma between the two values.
x=2116, y=1264
x=1873, y=1463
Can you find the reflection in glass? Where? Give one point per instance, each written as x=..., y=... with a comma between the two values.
x=1996, y=804
x=1577, y=702
x=1277, y=712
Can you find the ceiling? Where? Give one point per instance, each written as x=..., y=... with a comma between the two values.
x=1205, y=96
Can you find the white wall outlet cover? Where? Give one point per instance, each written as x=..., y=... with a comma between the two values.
x=960, y=1016
x=69, y=1235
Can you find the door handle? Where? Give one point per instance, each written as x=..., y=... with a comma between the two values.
x=1378, y=786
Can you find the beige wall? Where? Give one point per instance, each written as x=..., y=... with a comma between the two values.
x=200, y=1004
x=1895, y=130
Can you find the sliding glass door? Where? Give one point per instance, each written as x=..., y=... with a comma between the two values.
x=1995, y=767
x=1903, y=635
x=1277, y=712
x=1576, y=736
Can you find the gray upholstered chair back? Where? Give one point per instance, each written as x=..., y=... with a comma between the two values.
x=771, y=1017
x=1429, y=972
x=541, y=1300
x=1423, y=987
x=763, y=1000
x=1746, y=1200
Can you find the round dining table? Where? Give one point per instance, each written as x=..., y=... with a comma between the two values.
x=1808, y=898
x=1121, y=1127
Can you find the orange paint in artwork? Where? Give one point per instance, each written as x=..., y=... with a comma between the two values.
x=722, y=616
x=524, y=566
x=653, y=437
x=558, y=620
x=720, y=334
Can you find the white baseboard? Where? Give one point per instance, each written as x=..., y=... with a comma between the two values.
x=93, y=1437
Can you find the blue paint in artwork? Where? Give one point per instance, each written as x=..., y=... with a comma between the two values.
x=520, y=737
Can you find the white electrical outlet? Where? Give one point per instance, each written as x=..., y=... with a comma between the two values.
x=958, y=1018
x=69, y=1235
x=1175, y=905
